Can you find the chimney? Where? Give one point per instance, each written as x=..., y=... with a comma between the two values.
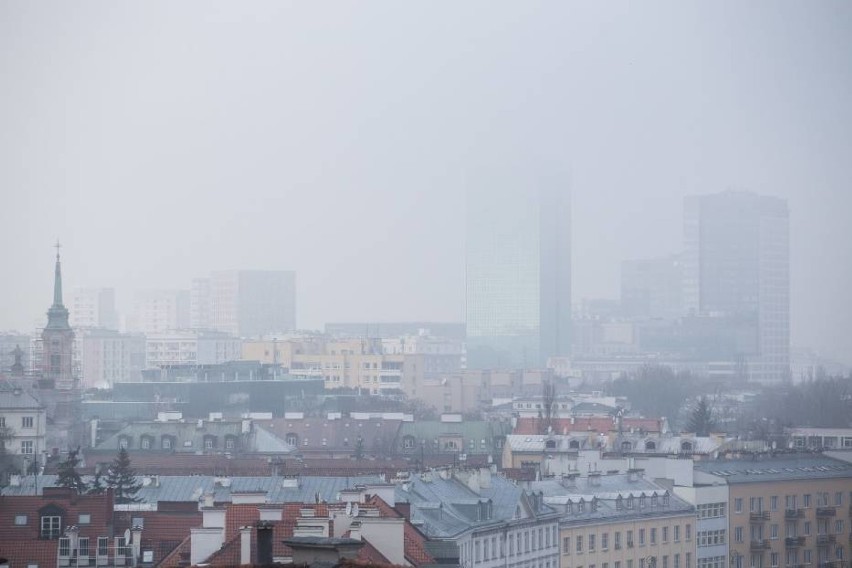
x=355, y=530
x=208, y=499
x=136, y=543
x=245, y=545
x=264, y=543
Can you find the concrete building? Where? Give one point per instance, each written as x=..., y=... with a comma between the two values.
x=159, y=311
x=518, y=277
x=107, y=357
x=652, y=288
x=737, y=266
x=24, y=419
x=620, y=521
x=251, y=303
x=820, y=438
x=93, y=307
x=190, y=348
x=200, y=304
x=783, y=511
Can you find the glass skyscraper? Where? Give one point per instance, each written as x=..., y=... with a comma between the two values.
x=518, y=277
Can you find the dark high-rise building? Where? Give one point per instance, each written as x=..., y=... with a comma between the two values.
x=518, y=277
x=737, y=266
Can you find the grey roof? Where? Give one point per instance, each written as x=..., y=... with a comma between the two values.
x=566, y=494
x=193, y=487
x=13, y=396
x=782, y=468
x=447, y=507
x=475, y=430
x=188, y=435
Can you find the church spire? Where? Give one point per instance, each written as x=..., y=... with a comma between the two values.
x=57, y=315
x=57, y=279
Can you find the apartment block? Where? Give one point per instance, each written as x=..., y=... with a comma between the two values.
x=191, y=348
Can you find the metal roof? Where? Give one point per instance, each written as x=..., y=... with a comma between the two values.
x=781, y=468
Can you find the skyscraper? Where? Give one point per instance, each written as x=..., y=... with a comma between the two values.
x=737, y=266
x=518, y=277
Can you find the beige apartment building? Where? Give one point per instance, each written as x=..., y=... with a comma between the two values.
x=792, y=511
x=620, y=521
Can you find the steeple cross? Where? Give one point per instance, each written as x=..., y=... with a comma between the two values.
x=57, y=246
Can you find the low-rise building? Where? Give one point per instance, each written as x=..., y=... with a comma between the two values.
x=191, y=348
x=23, y=420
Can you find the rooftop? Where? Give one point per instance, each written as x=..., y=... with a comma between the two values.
x=783, y=468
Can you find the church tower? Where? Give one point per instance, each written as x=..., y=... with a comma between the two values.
x=58, y=339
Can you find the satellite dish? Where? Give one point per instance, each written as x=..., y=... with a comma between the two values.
x=127, y=537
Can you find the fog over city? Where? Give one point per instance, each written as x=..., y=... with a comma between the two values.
x=162, y=141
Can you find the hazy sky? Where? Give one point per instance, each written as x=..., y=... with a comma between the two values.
x=162, y=140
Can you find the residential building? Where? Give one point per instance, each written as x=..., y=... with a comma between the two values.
x=737, y=267
x=475, y=389
x=518, y=277
x=789, y=510
x=161, y=311
x=93, y=307
x=465, y=439
x=620, y=521
x=24, y=420
x=200, y=304
x=251, y=303
x=488, y=520
x=190, y=348
x=107, y=357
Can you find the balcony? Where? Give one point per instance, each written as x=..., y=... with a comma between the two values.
x=759, y=517
x=758, y=545
x=826, y=512
x=825, y=539
x=794, y=513
x=794, y=541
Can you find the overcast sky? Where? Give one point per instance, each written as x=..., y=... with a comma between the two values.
x=162, y=140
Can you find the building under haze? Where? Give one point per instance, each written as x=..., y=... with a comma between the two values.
x=652, y=288
x=250, y=303
x=518, y=277
x=93, y=307
x=159, y=311
x=737, y=268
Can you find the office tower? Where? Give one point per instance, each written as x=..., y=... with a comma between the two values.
x=107, y=357
x=200, y=304
x=251, y=303
x=518, y=277
x=158, y=311
x=652, y=288
x=93, y=307
x=737, y=266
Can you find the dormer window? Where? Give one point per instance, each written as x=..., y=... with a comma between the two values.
x=408, y=442
x=167, y=442
x=686, y=446
x=574, y=445
x=649, y=445
x=50, y=523
x=124, y=442
x=292, y=439
x=146, y=442
x=550, y=444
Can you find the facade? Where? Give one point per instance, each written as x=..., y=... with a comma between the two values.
x=159, y=311
x=23, y=419
x=518, y=278
x=446, y=330
x=93, y=307
x=620, y=521
x=785, y=511
x=190, y=348
x=107, y=357
x=737, y=267
x=820, y=438
x=200, y=304
x=252, y=303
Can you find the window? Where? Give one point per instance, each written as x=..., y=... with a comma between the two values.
x=579, y=545
x=773, y=531
x=26, y=422
x=292, y=439
x=773, y=503
x=677, y=533
x=641, y=537
x=677, y=561
x=807, y=528
x=51, y=526
x=2, y=421
x=566, y=545
x=167, y=443
x=408, y=443
x=84, y=519
x=103, y=546
x=806, y=500
x=807, y=558
x=145, y=443
x=83, y=546
x=629, y=538
x=604, y=541
x=838, y=499
x=738, y=505
x=654, y=535
x=774, y=559
x=738, y=534
x=123, y=443
x=27, y=447
x=230, y=443
x=666, y=561
x=688, y=560
x=688, y=531
x=64, y=547
x=20, y=520
x=838, y=527
x=121, y=547
x=665, y=534
x=617, y=539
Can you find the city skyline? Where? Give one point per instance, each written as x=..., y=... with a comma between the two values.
x=152, y=175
